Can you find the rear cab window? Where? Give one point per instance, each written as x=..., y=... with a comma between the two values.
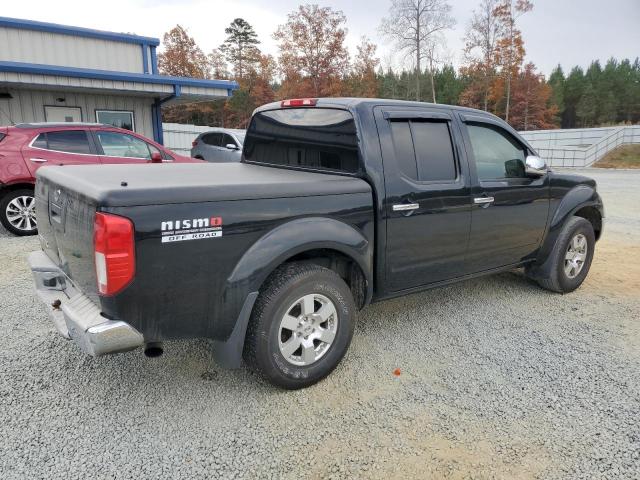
x=313, y=138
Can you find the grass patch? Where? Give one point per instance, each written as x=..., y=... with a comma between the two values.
x=625, y=156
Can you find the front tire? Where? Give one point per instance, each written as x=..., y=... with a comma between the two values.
x=571, y=257
x=18, y=212
x=301, y=325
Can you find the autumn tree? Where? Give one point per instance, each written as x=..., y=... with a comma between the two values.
x=481, y=38
x=313, y=58
x=181, y=56
x=240, y=47
x=218, y=65
x=532, y=108
x=413, y=25
x=510, y=46
x=363, y=80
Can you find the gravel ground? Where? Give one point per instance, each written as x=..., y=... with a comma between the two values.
x=499, y=379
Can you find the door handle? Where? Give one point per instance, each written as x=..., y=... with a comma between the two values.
x=483, y=200
x=403, y=207
x=38, y=160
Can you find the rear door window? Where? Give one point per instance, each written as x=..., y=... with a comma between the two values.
x=67, y=141
x=424, y=150
x=310, y=138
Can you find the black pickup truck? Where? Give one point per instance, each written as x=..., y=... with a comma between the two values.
x=336, y=203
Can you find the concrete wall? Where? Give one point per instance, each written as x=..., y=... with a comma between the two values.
x=580, y=147
x=28, y=46
x=28, y=106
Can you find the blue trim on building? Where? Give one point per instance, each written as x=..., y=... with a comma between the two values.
x=154, y=60
x=76, y=31
x=39, y=69
x=156, y=113
x=145, y=58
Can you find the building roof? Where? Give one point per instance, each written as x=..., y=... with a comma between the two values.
x=39, y=69
x=76, y=31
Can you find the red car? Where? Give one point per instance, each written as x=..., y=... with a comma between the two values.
x=26, y=147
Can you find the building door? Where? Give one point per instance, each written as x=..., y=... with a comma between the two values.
x=62, y=114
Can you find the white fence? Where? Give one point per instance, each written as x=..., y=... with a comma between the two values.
x=580, y=147
x=577, y=147
x=178, y=136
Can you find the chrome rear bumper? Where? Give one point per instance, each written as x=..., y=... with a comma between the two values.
x=75, y=316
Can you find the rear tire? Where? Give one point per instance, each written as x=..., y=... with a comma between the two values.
x=18, y=212
x=301, y=325
x=571, y=257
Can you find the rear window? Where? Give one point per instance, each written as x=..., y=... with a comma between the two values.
x=68, y=141
x=314, y=138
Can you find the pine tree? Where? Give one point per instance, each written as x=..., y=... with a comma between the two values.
x=240, y=47
x=586, y=112
x=556, y=82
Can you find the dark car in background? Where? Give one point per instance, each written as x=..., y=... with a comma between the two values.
x=26, y=147
x=219, y=145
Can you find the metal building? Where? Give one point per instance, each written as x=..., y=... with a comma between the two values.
x=58, y=73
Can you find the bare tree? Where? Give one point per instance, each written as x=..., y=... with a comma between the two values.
x=483, y=32
x=413, y=25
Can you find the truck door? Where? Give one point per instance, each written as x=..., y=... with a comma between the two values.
x=428, y=203
x=510, y=209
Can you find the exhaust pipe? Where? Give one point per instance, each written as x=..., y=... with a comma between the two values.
x=153, y=350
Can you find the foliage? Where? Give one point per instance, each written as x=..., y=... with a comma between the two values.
x=181, y=56
x=240, y=47
x=415, y=26
x=313, y=61
x=313, y=58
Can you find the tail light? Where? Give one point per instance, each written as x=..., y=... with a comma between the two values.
x=299, y=102
x=194, y=143
x=114, y=252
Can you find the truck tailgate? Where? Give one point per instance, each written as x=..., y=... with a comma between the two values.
x=65, y=227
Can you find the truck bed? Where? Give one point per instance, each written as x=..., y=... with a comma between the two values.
x=178, y=285
x=153, y=184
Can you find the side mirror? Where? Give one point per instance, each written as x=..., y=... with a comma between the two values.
x=231, y=146
x=535, y=166
x=156, y=157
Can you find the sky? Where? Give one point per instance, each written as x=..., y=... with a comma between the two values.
x=566, y=32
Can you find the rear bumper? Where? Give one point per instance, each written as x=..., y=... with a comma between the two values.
x=75, y=316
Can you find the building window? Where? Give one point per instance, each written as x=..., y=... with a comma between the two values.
x=117, y=118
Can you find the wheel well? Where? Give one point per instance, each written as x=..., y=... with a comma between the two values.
x=16, y=186
x=593, y=216
x=343, y=265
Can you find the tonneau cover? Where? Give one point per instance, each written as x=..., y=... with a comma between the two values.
x=152, y=184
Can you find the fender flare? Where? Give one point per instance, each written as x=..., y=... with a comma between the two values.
x=269, y=252
x=577, y=198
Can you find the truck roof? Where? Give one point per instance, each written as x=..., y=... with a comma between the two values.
x=354, y=103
